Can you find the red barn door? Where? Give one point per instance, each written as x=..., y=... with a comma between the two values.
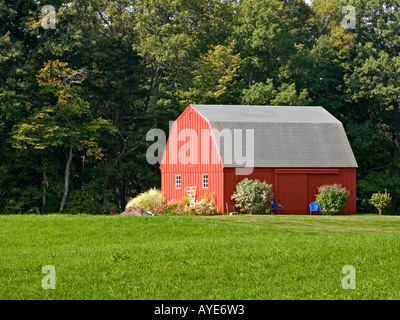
x=292, y=193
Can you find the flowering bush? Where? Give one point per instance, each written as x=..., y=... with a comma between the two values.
x=204, y=207
x=171, y=201
x=253, y=196
x=332, y=198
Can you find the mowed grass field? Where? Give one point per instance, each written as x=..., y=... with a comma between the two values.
x=220, y=257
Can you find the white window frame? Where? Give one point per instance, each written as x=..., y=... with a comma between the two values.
x=178, y=181
x=205, y=179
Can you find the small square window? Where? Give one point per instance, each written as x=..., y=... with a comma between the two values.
x=205, y=181
x=177, y=181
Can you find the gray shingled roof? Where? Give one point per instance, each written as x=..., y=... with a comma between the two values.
x=283, y=136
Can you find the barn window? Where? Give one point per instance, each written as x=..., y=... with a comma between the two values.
x=178, y=181
x=205, y=180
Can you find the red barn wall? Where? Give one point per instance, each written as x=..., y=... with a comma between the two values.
x=192, y=172
x=190, y=179
x=296, y=188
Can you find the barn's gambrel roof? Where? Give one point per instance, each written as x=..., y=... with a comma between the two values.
x=284, y=136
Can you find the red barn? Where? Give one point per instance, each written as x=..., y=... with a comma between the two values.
x=296, y=149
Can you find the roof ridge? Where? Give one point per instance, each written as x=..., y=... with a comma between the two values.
x=265, y=114
x=250, y=105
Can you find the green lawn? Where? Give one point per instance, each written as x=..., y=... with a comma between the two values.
x=220, y=257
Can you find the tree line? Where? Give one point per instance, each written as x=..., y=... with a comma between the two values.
x=77, y=100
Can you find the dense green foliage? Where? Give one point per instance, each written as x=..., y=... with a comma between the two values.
x=381, y=201
x=253, y=196
x=77, y=101
x=270, y=257
x=332, y=198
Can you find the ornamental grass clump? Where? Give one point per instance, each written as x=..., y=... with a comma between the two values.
x=332, y=198
x=381, y=201
x=148, y=200
x=253, y=196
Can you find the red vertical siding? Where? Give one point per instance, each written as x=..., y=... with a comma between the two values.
x=296, y=188
x=205, y=159
x=292, y=192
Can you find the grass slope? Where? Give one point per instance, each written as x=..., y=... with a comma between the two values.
x=220, y=257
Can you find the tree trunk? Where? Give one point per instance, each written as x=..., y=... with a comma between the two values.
x=105, y=186
x=396, y=140
x=66, y=183
x=122, y=194
x=44, y=187
x=396, y=127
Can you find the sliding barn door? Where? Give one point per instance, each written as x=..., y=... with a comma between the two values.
x=292, y=193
